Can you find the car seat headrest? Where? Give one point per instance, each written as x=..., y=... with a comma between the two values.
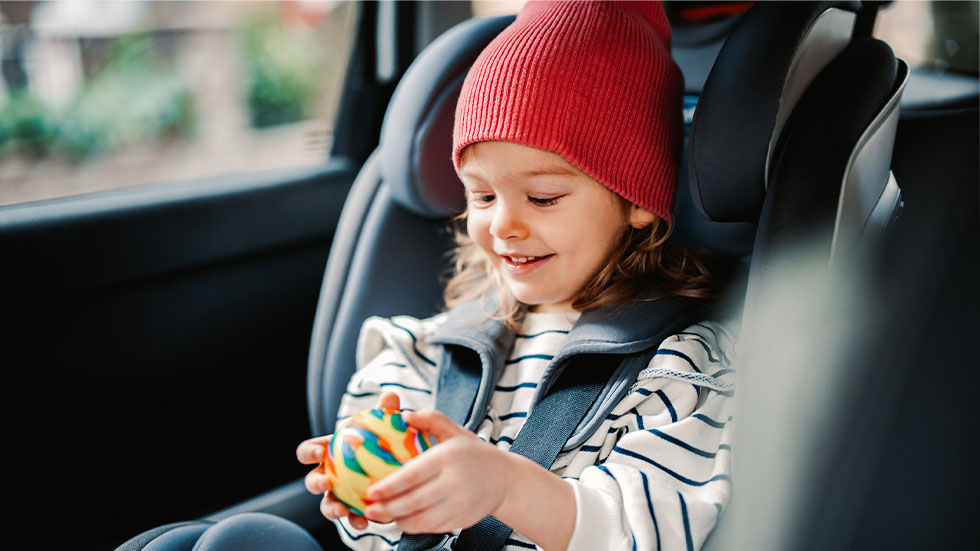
x=416, y=135
x=766, y=64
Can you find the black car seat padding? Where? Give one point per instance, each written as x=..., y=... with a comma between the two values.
x=766, y=63
x=811, y=157
x=391, y=244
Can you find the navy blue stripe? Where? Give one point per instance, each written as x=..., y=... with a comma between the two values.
x=509, y=415
x=709, y=421
x=366, y=534
x=687, y=523
x=500, y=388
x=722, y=353
x=712, y=331
x=393, y=364
x=670, y=406
x=530, y=357
x=639, y=418
x=703, y=344
x=646, y=492
x=525, y=336
x=606, y=470
x=613, y=416
x=590, y=448
x=725, y=447
x=507, y=439
x=680, y=477
x=682, y=444
x=523, y=544
x=406, y=387
x=361, y=394
x=681, y=355
x=415, y=342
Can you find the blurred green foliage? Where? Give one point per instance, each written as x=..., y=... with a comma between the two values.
x=282, y=69
x=25, y=125
x=135, y=98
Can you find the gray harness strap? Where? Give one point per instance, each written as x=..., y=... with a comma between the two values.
x=573, y=393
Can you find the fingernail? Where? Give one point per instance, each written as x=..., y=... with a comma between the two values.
x=317, y=453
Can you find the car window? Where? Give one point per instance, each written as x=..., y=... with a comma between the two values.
x=488, y=8
x=939, y=36
x=98, y=95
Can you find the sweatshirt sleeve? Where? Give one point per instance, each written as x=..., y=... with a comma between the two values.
x=663, y=475
x=392, y=355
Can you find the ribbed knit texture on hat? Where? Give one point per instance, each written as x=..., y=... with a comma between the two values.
x=591, y=81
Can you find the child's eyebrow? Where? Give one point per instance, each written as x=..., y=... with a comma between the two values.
x=550, y=170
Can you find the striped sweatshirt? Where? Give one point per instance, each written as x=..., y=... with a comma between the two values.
x=656, y=473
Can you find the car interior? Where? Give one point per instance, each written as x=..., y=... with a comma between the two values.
x=170, y=345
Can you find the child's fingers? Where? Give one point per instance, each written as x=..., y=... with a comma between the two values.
x=358, y=521
x=310, y=452
x=435, y=520
x=331, y=507
x=316, y=482
x=405, y=479
x=434, y=423
x=389, y=400
x=407, y=504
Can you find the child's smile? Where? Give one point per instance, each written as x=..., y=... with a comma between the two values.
x=517, y=264
x=546, y=226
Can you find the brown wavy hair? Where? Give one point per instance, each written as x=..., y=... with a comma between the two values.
x=642, y=258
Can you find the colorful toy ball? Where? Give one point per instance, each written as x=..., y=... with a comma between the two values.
x=367, y=447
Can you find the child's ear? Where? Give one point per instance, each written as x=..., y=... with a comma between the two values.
x=640, y=217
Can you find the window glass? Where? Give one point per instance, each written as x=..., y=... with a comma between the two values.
x=489, y=8
x=97, y=95
x=941, y=36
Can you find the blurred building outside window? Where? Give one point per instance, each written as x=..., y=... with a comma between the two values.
x=98, y=95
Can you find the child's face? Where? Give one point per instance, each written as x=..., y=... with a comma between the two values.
x=546, y=226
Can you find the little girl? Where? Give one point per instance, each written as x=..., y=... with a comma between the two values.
x=566, y=137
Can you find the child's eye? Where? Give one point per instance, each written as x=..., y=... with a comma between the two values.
x=544, y=201
x=481, y=198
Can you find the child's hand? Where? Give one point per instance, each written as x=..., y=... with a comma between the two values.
x=452, y=485
x=311, y=452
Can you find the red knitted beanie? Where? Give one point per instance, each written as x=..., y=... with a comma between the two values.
x=591, y=81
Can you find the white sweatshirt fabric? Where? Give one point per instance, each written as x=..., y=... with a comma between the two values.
x=655, y=475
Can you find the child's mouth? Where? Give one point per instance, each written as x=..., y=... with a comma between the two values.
x=520, y=265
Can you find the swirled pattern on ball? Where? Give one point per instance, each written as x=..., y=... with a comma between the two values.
x=367, y=447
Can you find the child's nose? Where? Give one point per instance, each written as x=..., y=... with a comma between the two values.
x=507, y=223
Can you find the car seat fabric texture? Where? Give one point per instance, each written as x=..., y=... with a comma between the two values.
x=655, y=470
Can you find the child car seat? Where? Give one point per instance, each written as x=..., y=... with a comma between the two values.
x=391, y=243
x=824, y=198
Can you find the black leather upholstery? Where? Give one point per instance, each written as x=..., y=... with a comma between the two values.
x=416, y=137
x=392, y=242
x=736, y=116
x=811, y=158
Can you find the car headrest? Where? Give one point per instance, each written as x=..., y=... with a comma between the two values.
x=772, y=55
x=416, y=135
